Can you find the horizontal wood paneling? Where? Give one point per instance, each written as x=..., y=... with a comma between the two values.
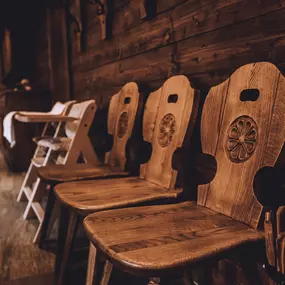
x=206, y=58
x=184, y=21
x=203, y=39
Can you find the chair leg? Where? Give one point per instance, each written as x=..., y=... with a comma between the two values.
x=108, y=267
x=36, y=194
x=251, y=273
x=67, y=233
x=95, y=274
x=47, y=218
x=29, y=178
x=188, y=278
x=92, y=262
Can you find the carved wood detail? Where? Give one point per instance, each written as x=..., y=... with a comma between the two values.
x=242, y=139
x=166, y=130
x=123, y=124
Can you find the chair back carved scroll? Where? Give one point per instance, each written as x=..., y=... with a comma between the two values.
x=243, y=128
x=166, y=117
x=121, y=118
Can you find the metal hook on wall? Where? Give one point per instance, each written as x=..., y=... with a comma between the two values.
x=148, y=9
x=75, y=16
x=102, y=13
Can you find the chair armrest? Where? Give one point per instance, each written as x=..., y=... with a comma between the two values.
x=42, y=118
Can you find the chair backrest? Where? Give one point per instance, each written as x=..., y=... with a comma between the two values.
x=121, y=118
x=243, y=128
x=166, y=118
x=84, y=112
x=61, y=108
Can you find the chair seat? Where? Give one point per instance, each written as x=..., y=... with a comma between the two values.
x=54, y=174
x=150, y=239
x=104, y=194
x=56, y=144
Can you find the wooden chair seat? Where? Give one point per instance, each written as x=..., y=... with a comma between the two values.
x=56, y=174
x=154, y=238
x=99, y=195
x=56, y=144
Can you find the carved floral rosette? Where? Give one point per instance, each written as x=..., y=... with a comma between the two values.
x=241, y=140
x=166, y=130
x=123, y=124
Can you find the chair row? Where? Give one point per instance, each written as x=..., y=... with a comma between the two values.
x=139, y=224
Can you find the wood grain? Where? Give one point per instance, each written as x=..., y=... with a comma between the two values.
x=169, y=129
x=60, y=173
x=121, y=124
x=187, y=20
x=231, y=192
x=155, y=239
x=43, y=118
x=103, y=194
x=207, y=58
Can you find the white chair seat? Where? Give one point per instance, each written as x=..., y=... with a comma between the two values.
x=56, y=144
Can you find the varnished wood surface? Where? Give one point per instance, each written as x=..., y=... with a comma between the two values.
x=166, y=118
x=44, y=118
x=122, y=105
x=155, y=238
x=62, y=173
x=261, y=130
x=99, y=195
x=23, y=263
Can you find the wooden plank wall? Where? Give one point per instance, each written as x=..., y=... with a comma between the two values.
x=42, y=64
x=203, y=39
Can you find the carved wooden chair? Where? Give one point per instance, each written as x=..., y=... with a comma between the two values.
x=243, y=128
x=122, y=116
x=166, y=117
x=58, y=150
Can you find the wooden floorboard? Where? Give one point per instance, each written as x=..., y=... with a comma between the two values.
x=21, y=262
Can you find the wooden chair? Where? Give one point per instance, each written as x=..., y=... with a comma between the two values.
x=58, y=150
x=166, y=117
x=122, y=115
x=243, y=128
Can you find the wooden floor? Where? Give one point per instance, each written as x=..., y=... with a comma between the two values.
x=21, y=262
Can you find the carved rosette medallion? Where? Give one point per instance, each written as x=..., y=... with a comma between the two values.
x=166, y=130
x=241, y=139
x=123, y=124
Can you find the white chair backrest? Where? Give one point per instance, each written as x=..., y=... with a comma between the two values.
x=78, y=111
x=60, y=108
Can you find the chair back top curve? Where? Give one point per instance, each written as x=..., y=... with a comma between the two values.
x=243, y=128
x=61, y=108
x=84, y=112
x=121, y=118
x=166, y=117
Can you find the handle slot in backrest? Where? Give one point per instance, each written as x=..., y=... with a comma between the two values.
x=249, y=95
x=172, y=98
x=127, y=100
